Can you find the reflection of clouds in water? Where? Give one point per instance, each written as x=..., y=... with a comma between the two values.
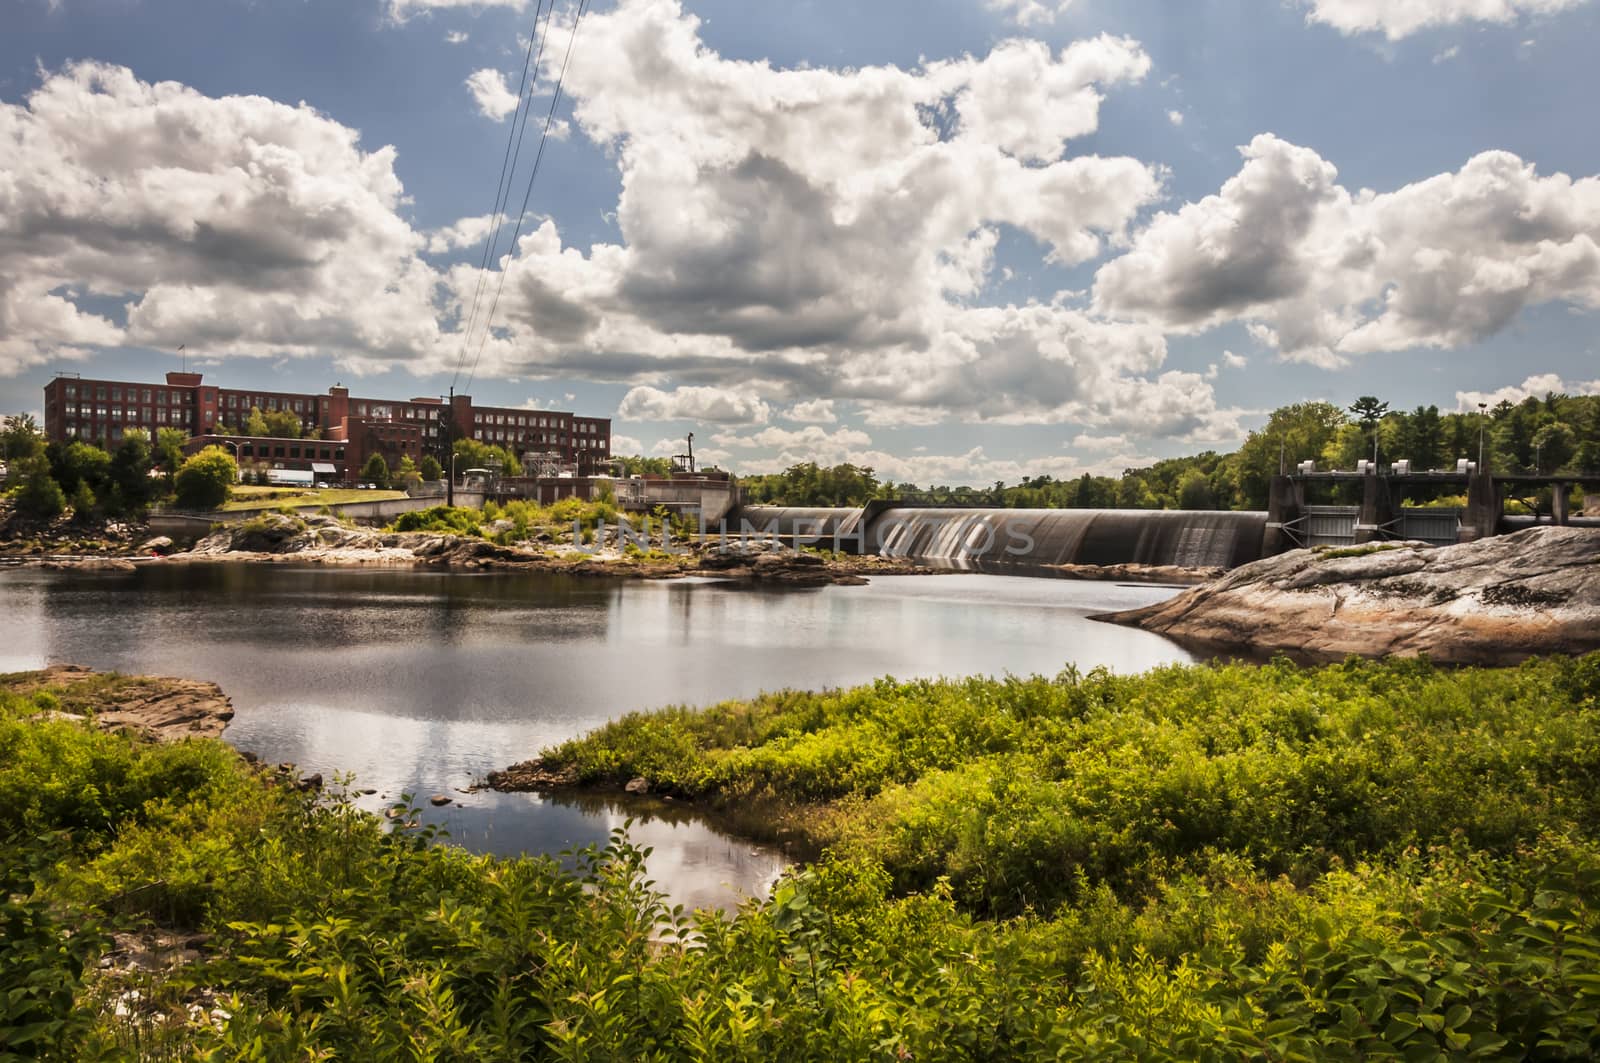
x=692, y=862
x=421, y=682
x=26, y=643
x=699, y=867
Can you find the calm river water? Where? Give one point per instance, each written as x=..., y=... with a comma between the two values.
x=421, y=682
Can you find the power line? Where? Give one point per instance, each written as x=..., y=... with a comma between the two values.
x=544, y=138
x=508, y=167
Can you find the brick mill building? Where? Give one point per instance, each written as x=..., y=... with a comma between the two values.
x=349, y=429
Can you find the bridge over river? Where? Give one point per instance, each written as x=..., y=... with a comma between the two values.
x=994, y=539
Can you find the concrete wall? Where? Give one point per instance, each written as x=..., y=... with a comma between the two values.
x=714, y=499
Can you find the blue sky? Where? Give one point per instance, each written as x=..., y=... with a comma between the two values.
x=958, y=241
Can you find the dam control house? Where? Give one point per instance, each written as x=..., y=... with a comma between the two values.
x=338, y=431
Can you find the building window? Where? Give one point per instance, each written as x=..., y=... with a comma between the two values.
x=116, y=394
x=72, y=391
x=100, y=392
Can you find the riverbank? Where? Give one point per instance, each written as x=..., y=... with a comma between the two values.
x=1212, y=862
x=1498, y=600
x=276, y=538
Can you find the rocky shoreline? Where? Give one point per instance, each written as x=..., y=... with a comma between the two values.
x=1496, y=601
x=156, y=708
x=276, y=538
x=1132, y=573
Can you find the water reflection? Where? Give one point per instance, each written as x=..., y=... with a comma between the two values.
x=422, y=682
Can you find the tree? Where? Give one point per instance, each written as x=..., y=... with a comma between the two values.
x=407, y=476
x=1368, y=412
x=375, y=471
x=1296, y=432
x=471, y=454
x=130, y=473
x=38, y=495
x=281, y=424
x=83, y=502
x=79, y=464
x=169, y=451
x=206, y=480
x=21, y=439
x=1195, y=492
x=638, y=465
x=254, y=423
x=1421, y=438
x=429, y=469
x=1554, y=445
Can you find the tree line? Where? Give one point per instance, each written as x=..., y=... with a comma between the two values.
x=1558, y=433
x=44, y=479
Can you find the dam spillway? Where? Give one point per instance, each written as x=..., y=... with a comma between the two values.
x=1002, y=539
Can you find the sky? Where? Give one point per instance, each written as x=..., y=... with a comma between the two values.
x=958, y=241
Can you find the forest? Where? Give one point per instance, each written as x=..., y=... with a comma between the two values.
x=1558, y=433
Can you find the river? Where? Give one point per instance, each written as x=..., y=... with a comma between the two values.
x=422, y=682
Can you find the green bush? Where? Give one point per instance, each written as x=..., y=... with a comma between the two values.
x=454, y=520
x=38, y=495
x=206, y=480
x=1020, y=791
x=375, y=471
x=331, y=937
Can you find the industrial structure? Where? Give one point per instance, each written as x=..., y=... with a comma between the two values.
x=338, y=431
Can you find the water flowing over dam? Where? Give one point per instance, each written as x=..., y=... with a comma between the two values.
x=1015, y=539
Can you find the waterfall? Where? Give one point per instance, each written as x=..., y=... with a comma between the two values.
x=1001, y=539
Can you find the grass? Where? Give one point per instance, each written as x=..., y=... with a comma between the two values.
x=248, y=497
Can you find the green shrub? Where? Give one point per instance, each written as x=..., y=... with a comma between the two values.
x=206, y=479
x=1019, y=791
x=332, y=937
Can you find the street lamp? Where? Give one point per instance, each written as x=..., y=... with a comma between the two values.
x=1482, y=418
x=237, y=472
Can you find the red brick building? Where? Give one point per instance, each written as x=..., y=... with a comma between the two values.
x=350, y=428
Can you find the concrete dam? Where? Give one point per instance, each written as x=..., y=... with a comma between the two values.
x=1014, y=539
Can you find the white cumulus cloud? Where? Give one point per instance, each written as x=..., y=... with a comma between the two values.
x=816, y=411
x=1029, y=12
x=400, y=10
x=1324, y=273
x=489, y=92
x=234, y=224
x=1401, y=18
x=714, y=404
x=828, y=234
x=1534, y=387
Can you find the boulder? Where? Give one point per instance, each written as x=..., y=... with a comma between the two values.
x=1495, y=601
x=637, y=785
x=158, y=708
x=161, y=544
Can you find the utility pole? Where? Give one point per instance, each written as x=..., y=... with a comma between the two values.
x=446, y=424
